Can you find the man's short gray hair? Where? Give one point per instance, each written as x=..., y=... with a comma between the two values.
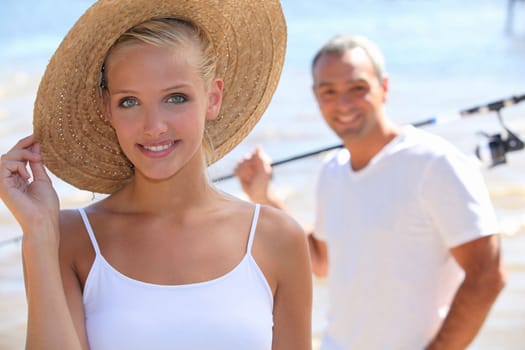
x=341, y=43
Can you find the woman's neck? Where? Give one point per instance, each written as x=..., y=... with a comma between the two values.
x=189, y=187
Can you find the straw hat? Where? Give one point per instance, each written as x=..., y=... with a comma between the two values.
x=78, y=143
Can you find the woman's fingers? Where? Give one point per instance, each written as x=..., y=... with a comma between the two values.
x=36, y=165
x=15, y=161
x=13, y=164
x=25, y=142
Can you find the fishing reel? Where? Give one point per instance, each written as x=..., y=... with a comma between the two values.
x=494, y=151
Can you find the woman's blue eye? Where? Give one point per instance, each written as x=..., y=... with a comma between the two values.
x=176, y=99
x=128, y=102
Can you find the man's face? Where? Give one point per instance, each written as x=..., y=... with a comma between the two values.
x=349, y=94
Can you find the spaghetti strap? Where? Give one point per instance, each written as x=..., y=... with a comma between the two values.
x=89, y=230
x=253, y=228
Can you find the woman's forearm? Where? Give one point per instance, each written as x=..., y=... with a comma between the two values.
x=49, y=325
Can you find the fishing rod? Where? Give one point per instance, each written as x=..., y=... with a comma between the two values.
x=497, y=146
x=493, y=144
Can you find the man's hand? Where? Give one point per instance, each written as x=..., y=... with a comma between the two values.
x=255, y=173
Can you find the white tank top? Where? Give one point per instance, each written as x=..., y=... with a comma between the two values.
x=230, y=312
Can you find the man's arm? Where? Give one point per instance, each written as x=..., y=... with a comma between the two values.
x=318, y=255
x=254, y=172
x=484, y=279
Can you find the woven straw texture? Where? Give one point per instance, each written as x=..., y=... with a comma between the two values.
x=78, y=143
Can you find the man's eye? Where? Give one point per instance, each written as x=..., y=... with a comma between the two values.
x=327, y=93
x=127, y=102
x=176, y=99
x=360, y=88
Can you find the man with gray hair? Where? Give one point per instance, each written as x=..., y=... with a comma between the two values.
x=405, y=230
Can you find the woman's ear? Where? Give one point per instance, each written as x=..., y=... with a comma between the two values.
x=107, y=103
x=214, y=99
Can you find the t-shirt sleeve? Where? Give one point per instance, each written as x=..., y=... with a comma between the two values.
x=456, y=196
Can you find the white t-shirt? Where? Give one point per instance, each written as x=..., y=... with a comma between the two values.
x=389, y=228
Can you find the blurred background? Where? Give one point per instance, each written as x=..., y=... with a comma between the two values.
x=443, y=56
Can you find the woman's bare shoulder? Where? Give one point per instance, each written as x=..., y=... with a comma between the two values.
x=279, y=226
x=71, y=224
x=281, y=248
x=75, y=246
x=280, y=236
x=276, y=232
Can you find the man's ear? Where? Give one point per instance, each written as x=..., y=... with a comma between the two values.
x=314, y=91
x=214, y=99
x=385, y=85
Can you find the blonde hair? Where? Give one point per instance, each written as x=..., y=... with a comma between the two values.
x=169, y=33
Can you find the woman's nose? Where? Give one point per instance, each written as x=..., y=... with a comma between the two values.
x=154, y=121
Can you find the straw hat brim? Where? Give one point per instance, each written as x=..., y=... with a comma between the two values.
x=78, y=143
